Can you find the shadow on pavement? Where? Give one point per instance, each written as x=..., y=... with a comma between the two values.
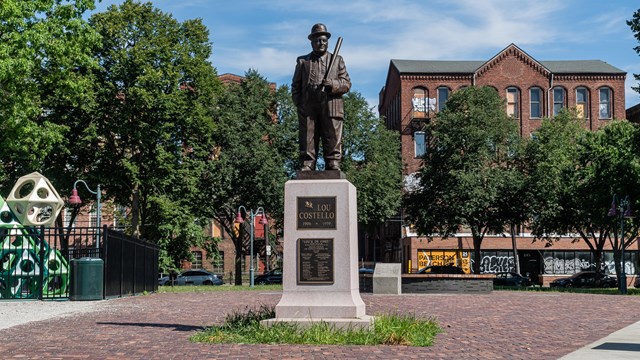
x=176, y=327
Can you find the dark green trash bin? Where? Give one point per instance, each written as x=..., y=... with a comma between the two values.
x=87, y=279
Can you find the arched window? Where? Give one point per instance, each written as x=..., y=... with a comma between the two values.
x=582, y=102
x=420, y=143
x=535, y=103
x=605, y=103
x=513, y=97
x=419, y=102
x=559, y=96
x=443, y=96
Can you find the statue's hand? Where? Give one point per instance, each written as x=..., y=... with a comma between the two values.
x=327, y=84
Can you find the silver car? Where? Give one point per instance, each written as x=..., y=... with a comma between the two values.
x=192, y=277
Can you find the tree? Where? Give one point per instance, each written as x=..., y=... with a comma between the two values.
x=249, y=168
x=574, y=174
x=372, y=163
x=634, y=24
x=43, y=44
x=609, y=163
x=147, y=136
x=467, y=169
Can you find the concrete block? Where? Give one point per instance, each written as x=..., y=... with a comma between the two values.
x=387, y=279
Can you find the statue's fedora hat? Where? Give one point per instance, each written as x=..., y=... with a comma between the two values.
x=317, y=30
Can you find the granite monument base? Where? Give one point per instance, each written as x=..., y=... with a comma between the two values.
x=320, y=270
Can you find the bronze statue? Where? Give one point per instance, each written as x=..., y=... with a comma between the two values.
x=319, y=82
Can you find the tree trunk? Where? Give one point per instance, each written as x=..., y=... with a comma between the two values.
x=477, y=241
x=516, y=260
x=135, y=212
x=237, y=241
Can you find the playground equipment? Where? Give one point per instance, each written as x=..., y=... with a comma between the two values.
x=26, y=260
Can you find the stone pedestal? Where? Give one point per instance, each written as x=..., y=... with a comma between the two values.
x=387, y=279
x=320, y=270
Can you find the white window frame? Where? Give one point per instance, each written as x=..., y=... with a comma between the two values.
x=537, y=103
x=605, y=104
x=584, y=103
x=562, y=103
x=442, y=90
x=513, y=103
x=419, y=149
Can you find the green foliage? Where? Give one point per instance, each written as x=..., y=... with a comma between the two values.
x=472, y=162
x=371, y=161
x=552, y=157
x=145, y=133
x=388, y=329
x=43, y=43
x=573, y=176
x=254, y=145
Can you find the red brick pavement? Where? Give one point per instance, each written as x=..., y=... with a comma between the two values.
x=500, y=325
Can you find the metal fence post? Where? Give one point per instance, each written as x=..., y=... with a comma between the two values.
x=41, y=263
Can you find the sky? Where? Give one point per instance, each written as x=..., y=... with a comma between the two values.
x=268, y=36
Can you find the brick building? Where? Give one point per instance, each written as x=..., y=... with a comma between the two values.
x=415, y=90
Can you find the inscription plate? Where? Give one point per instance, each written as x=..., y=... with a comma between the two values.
x=315, y=261
x=316, y=212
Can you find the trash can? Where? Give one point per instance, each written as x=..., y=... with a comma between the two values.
x=87, y=279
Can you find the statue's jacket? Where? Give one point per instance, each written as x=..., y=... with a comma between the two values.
x=302, y=89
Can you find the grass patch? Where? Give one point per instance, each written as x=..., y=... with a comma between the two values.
x=388, y=329
x=209, y=288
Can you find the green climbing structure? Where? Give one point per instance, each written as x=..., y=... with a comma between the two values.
x=22, y=268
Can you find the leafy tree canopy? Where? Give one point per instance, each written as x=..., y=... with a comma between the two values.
x=147, y=138
x=371, y=161
x=42, y=44
x=467, y=169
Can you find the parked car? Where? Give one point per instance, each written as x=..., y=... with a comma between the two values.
x=585, y=279
x=270, y=277
x=511, y=279
x=441, y=269
x=192, y=277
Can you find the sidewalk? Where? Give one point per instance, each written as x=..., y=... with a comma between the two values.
x=498, y=325
x=622, y=344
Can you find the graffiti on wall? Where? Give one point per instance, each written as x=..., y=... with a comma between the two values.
x=494, y=264
x=553, y=265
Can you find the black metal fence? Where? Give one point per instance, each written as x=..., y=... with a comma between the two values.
x=131, y=265
x=36, y=262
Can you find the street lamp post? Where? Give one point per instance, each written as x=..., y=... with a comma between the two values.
x=75, y=199
x=621, y=208
x=259, y=212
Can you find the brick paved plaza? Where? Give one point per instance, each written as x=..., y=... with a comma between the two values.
x=499, y=325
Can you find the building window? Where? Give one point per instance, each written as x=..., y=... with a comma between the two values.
x=218, y=263
x=535, y=102
x=197, y=260
x=512, y=102
x=66, y=217
x=419, y=103
x=558, y=100
x=420, y=141
x=443, y=96
x=93, y=217
x=582, y=103
x=605, y=103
